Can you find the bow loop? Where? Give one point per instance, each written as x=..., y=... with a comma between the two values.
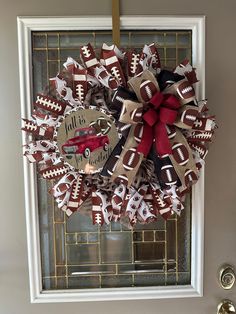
x=157, y=99
x=151, y=117
x=171, y=101
x=167, y=116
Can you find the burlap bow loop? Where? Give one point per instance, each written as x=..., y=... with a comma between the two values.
x=163, y=110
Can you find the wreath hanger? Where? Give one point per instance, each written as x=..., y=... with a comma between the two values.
x=116, y=22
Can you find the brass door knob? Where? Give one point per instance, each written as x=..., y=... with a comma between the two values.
x=227, y=277
x=226, y=307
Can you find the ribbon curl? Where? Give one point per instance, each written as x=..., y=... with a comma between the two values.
x=164, y=111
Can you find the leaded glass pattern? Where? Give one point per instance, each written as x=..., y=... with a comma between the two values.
x=76, y=254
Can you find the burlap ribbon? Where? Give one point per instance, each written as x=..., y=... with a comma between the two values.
x=130, y=159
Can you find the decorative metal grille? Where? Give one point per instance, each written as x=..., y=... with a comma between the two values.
x=75, y=253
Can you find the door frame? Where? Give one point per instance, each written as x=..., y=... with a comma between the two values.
x=25, y=26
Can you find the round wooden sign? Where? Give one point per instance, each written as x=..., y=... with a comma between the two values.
x=86, y=139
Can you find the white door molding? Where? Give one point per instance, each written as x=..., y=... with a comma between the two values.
x=25, y=26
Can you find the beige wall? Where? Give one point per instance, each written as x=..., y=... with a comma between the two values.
x=220, y=172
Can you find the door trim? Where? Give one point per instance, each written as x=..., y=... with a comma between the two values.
x=25, y=26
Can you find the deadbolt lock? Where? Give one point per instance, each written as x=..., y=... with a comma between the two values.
x=226, y=307
x=227, y=277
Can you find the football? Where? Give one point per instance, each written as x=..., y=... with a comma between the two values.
x=80, y=92
x=190, y=177
x=133, y=60
x=198, y=165
x=76, y=188
x=118, y=196
x=185, y=90
x=147, y=90
x=87, y=51
x=62, y=186
x=200, y=148
x=112, y=82
x=200, y=136
x=117, y=100
x=180, y=154
x=168, y=175
x=189, y=116
x=104, y=125
x=95, y=125
x=54, y=172
x=97, y=215
x=112, y=162
x=122, y=178
x=171, y=131
x=203, y=124
x=116, y=73
x=116, y=201
x=131, y=159
x=138, y=132
x=136, y=114
x=88, y=56
x=50, y=104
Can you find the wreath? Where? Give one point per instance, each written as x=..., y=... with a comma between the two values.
x=122, y=133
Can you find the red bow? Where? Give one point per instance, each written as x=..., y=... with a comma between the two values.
x=164, y=111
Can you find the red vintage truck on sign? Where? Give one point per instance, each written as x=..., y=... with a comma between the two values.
x=86, y=140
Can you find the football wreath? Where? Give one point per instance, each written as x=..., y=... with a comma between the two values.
x=121, y=132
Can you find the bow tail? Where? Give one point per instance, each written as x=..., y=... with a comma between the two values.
x=162, y=141
x=147, y=140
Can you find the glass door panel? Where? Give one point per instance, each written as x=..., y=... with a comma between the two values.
x=75, y=254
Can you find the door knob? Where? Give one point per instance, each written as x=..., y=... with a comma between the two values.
x=227, y=277
x=226, y=307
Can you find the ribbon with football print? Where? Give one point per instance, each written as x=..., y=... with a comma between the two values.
x=129, y=160
x=97, y=69
x=117, y=201
x=182, y=160
x=78, y=79
x=41, y=151
x=137, y=207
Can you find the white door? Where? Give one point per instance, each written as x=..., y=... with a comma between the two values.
x=219, y=225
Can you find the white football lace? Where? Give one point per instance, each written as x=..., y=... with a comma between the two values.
x=80, y=91
x=115, y=72
x=48, y=103
x=181, y=155
x=134, y=63
x=187, y=89
x=86, y=51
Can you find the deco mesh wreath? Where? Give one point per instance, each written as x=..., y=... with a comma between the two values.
x=121, y=132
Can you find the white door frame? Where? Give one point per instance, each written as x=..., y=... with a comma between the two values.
x=25, y=26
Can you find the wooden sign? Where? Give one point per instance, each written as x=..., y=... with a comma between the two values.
x=86, y=139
